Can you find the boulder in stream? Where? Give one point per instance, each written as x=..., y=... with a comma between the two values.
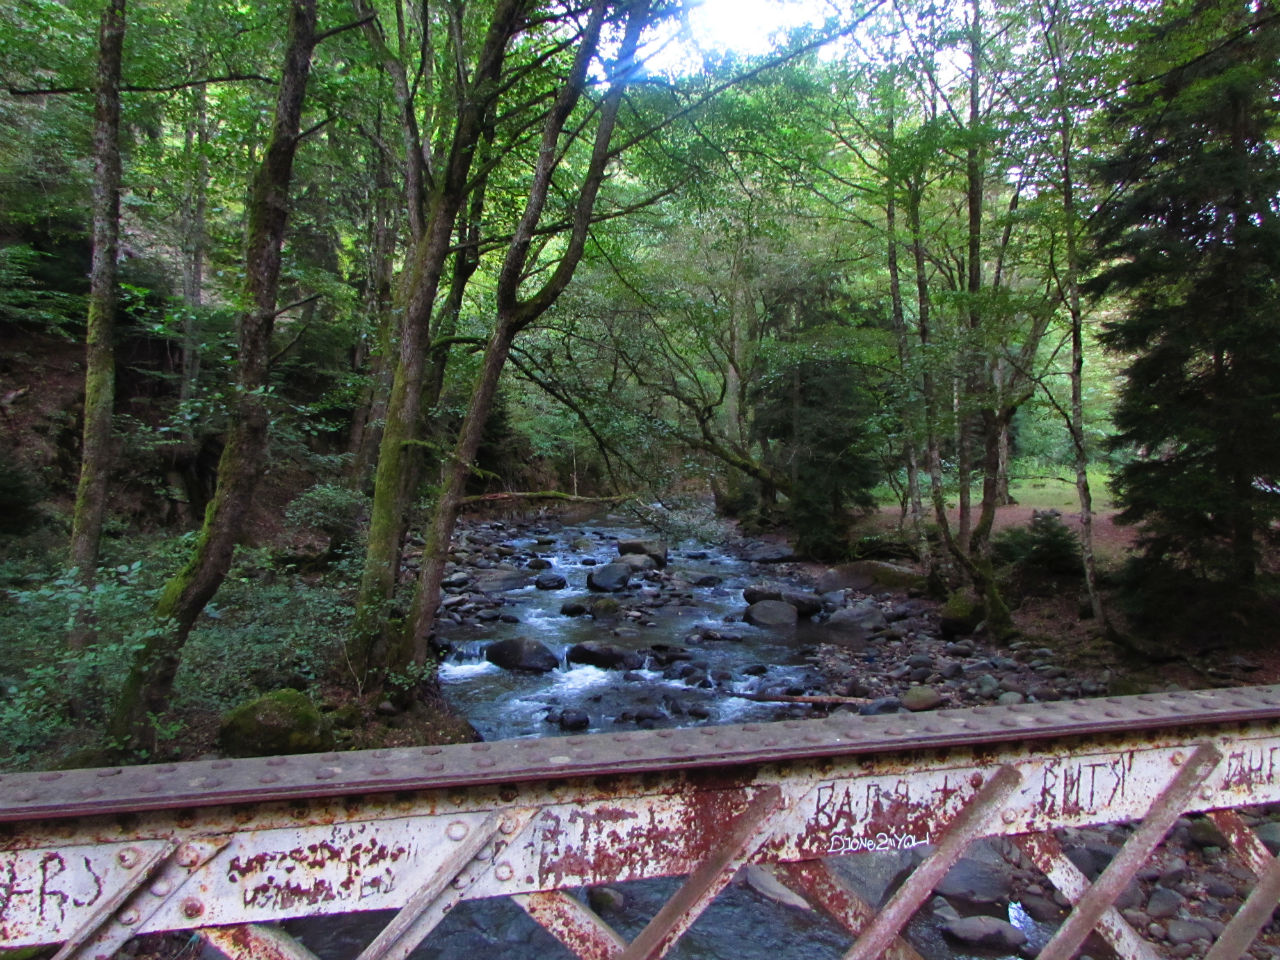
x=863, y=617
x=771, y=613
x=521, y=653
x=607, y=656
x=988, y=932
x=610, y=578
x=806, y=604
x=655, y=549
x=639, y=562
x=550, y=581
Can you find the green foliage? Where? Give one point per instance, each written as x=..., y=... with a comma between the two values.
x=333, y=508
x=1193, y=244
x=1044, y=545
x=50, y=689
x=25, y=300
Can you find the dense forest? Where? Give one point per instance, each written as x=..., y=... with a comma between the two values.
x=287, y=287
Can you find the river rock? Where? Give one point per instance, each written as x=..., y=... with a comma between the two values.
x=757, y=552
x=610, y=578
x=864, y=616
x=550, y=581
x=975, y=883
x=771, y=613
x=1269, y=833
x=988, y=932
x=1186, y=931
x=639, y=562
x=499, y=580
x=655, y=549
x=806, y=604
x=760, y=878
x=456, y=580
x=865, y=574
x=521, y=653
x=607, y=656
x=1164, y=903
x=283, y=721
x=605, y=899
x=538, y=563
x=574, y=720
x=920, y=698
x=880, y=707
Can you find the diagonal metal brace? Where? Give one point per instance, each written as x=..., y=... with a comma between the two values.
x=255, y=941
x=818, y=883
x=970, y=823
x=1258, y=907
x=1162, y=813
x=575, y=925
x=1047, y=854
x=749, y=831
x=401, y=935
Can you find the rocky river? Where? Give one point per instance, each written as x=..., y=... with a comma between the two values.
x=550, y=628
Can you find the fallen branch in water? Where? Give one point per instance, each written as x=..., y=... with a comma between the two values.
x=542, y=495
x=782, y=698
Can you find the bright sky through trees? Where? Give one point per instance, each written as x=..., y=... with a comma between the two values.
x=742, y=27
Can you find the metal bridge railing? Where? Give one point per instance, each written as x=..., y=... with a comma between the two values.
x=92, y=858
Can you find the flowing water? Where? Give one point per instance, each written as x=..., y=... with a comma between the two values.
x=740, y=924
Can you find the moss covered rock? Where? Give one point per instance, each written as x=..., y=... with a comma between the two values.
x=961, y=614
x=283, y=721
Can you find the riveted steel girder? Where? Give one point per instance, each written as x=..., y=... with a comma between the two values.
x=200, y=846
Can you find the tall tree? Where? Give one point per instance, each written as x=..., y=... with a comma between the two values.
x=150, y=682
x=1192, y=244
x=99, y=400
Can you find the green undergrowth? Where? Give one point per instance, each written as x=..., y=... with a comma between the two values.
x=268, y=628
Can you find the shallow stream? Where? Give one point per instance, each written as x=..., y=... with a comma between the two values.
x=741, y=924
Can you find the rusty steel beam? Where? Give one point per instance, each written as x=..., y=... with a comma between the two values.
x=575, y=925
x=1165, y=809
x=255, y=942
x=743, y=834
x=73, y=793
x=1047, y=854
x=591, y=822
x=966, y=826
x=819, y=884
x=1261, y=903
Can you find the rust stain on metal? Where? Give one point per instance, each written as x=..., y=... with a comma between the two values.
x=623, y=844
x=340, y=868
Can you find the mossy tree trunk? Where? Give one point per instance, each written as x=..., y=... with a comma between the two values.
x=149, y=685
x=100, y=373
x=476, y=95
x=515, y=313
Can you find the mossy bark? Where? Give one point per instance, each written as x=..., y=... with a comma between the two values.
x=514, y=313
x=100, y=372
x=394, y=475
x=148, y=687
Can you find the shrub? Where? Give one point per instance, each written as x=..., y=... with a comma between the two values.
x=1044, y=545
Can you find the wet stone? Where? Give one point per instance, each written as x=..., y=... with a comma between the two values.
x=881, y=707
x=988, y=932
x=1187, y=931
x=1164, y=903
x=771, y=613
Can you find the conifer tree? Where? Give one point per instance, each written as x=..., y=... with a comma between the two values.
x=1192, y=245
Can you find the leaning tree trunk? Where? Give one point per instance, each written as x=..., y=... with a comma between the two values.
x=150, y=682
x=392, y=492
x=515, y=314
x=100, y=374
